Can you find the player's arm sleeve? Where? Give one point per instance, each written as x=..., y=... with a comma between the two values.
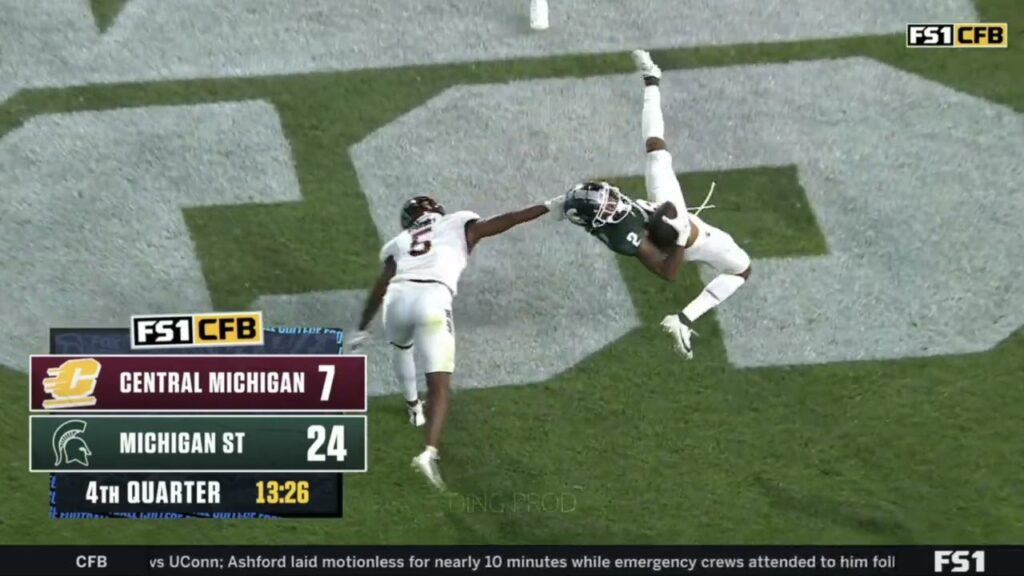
x=466, y=217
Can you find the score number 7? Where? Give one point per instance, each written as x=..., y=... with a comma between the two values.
x=328, y=370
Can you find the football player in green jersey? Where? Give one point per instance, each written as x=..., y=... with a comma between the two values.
x=661, y=232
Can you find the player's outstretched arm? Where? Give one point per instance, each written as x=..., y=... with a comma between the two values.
x=477, y=230
x=376, y=296
x=664, y=265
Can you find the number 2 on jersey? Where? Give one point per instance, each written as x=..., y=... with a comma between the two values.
x=633, y=238
x=420, y=242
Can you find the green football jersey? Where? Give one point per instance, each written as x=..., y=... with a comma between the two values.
x=624, y=236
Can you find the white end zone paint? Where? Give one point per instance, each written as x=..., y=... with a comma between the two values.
x=92, y=203
x=55, y=43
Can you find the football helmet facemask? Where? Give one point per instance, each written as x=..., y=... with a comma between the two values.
x=594, y=204
x=416, y=207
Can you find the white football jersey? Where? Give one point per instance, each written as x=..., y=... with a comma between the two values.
x=433, y=250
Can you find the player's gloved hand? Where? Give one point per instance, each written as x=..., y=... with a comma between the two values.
x=556, y=206
x=682, y=225
x=358, y=340
x=647, y=205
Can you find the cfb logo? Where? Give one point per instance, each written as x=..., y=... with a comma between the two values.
x=213, y=329
x=91, y=561
x=957, y=35
x=960, y=561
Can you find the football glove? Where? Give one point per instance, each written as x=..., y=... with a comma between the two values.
x=556, y=206
x=646, y=205
x=682, y=225
x=359, y=339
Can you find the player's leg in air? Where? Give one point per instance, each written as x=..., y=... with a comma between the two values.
x=716, y=248
x=705, y=243
x=434, y=343
x=398, y=327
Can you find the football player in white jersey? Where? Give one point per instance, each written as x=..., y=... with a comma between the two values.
x=660, y=233
x=419, y=279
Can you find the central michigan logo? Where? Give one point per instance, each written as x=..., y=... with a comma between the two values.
x=211, y=329
x=72, y=383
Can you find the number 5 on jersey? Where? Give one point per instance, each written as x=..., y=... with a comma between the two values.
x=420, y=242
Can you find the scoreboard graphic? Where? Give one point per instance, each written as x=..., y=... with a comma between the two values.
x=200, y=443
x=203, y=432
x=182, y=383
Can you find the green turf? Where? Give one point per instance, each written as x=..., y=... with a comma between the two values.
x=765, y=209
x=631, y=445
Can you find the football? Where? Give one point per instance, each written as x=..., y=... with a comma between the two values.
x=661, y=233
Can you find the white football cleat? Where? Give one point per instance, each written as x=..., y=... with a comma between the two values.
x=680, y=332
x=539, y=14
x=646, y=66
x=426, y=464
x=415, y=411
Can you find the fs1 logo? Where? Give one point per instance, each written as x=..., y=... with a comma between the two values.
x=960, y=561
x=958, y=35
x=183, y=330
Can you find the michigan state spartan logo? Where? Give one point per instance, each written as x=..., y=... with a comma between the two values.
x=68, y=446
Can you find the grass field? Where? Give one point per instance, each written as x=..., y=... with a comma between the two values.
x=637, y=446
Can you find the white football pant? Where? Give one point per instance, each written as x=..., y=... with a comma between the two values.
x=713, y=246
x=419, y=315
